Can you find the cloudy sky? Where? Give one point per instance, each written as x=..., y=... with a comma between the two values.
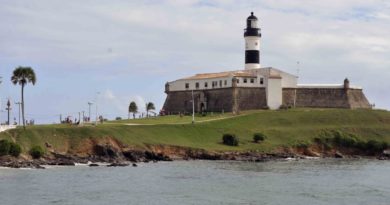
x=127, y=50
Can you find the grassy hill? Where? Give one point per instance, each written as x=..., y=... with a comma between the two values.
x=283, y=128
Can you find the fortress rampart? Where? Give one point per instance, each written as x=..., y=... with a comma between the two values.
x=236, y=99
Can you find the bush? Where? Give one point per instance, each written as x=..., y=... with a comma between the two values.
x=15, y=150
x=344, y=139
x=259, y=137
x=375, y=146
x=36, y=152
x=4, y=147
x=230, y=139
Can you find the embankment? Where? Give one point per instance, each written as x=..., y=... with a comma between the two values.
x=290, y=133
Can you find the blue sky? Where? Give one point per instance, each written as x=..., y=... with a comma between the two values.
x=127, y=50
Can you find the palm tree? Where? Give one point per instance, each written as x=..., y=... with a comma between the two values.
x=133, y=109
x=149, y=106
x=23, y=76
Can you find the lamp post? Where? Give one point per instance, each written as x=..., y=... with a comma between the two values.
x=8, y=110
x=193, y=108
x=96, y=101
x=89, y=111
x=19, y=104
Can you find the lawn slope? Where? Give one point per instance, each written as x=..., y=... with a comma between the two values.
x=283, y=128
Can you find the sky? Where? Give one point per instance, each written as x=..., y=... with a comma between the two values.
x=117, y=51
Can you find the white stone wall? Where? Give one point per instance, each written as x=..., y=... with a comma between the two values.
x=274, y=93
x=288, y=81
x=180, y=85
x=248, y=84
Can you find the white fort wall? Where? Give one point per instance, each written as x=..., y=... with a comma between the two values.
x=180, y=85
x=226, y=82
x=274, y=93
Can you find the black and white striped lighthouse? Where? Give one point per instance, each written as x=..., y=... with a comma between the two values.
x=252, y=36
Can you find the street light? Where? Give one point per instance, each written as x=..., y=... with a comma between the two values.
x=193, y=108
x=19, y=104
x=89, y=111
x=97, y=95
x=8, y=110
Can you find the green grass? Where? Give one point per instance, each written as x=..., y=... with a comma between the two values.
x=173, y=119
x=282, y=128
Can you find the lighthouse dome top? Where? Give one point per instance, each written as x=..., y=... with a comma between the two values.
x=252, y=17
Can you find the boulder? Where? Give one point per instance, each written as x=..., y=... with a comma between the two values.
x=338, y=155
x=118, y=164
x=93, y=165
x=106, y=151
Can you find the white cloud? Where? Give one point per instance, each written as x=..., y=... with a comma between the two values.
x=143, y=44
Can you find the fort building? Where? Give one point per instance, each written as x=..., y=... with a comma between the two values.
x=256, y=87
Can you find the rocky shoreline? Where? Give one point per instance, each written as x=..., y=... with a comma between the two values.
x=111, y=156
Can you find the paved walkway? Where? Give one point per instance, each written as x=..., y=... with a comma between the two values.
x=178, y=123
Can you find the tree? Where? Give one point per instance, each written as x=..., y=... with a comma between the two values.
x=133, y=108
x=149, y=106
x=23, y=76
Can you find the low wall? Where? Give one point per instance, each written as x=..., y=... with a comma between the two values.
x=251, y=98
x=213, y=100
x=325, y=98
x=6, y=127
x=216, y=100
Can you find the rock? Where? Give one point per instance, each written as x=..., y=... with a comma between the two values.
x=66, y=163
x=118, y=164
x=48, y=145
x=93, y=165
x=156, y=157
x=106, y=151
x=338, y=155
x=134, y=155
x=135, y=165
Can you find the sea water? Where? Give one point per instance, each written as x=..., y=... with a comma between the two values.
x=315, y=181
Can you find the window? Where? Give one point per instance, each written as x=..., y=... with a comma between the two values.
x=187, y=85
x=220, y=83
x=261, y=81
x=238, y=80
x=252, y=80
x=245, y=80
x=205, y=84
x=225, y=82
x=254, y=23
x=197, y=85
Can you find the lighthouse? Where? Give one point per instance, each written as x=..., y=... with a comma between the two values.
x=252, y=36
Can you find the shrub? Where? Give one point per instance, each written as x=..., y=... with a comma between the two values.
x=230, y=139
x=259, y=137
x=36, y=152
x=4, y=147
x=375, y=146
x=15, y=150
x=344, y=139
x=302, y=144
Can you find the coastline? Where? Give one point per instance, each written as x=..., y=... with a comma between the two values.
x=107, y=155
